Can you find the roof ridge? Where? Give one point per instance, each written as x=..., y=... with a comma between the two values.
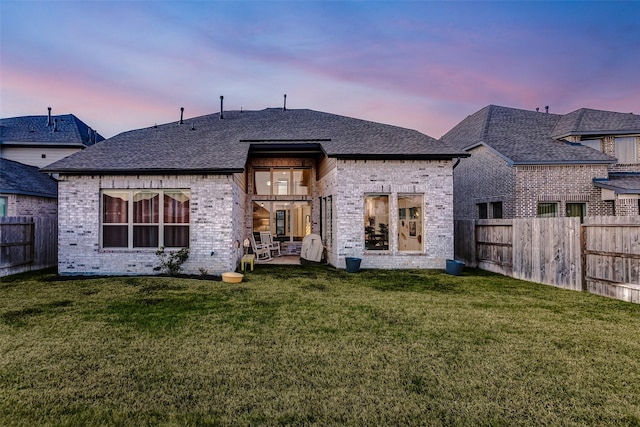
x=576, y=123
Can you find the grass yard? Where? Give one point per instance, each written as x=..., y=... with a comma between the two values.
x=313, y=345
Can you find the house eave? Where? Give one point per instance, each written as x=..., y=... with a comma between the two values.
x=449, y=156
x=162, y=171
x=563, y=162
x=4, y=191
x=614, y=132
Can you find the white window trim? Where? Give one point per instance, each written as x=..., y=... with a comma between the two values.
x=130, y=223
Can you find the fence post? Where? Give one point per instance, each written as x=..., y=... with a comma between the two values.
x=583, y=257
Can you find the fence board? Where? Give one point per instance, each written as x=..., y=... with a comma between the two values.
x=28, y=243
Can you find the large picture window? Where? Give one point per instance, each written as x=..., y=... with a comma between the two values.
x=145, y=218
x=282, y=182
x=410, y=222
x=376, y=222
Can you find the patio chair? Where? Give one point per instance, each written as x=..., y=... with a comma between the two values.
x=267, y=240
x=263, y=253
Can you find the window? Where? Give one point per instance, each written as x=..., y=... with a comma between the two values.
x=482, y=211
x=592, y=143
x=376, y=222
x=547, y=210
x=626, y=150
x=138, y=218
x=326, y=220
x=410, y=222
x=282, y=182
x=3, y=206
x=576, y=209
x=287, y=221
x=496, y=208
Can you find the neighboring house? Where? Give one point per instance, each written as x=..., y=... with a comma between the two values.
x=41, y=140
x=374, y=191
x=25, y=191
x=528, y=163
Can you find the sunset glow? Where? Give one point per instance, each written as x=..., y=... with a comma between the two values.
x=424, y=65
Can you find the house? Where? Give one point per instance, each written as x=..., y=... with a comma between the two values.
x=25, y=191
x=370, y=190
x=41, y=140
x=28, y=143
x=533, y=164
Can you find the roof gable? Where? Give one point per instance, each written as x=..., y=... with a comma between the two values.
x=521, y=136
x=209, y=143
x=586, y=121
x=18, y=178
x=64, y=129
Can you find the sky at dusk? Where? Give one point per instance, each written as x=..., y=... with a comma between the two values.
x=425, y=65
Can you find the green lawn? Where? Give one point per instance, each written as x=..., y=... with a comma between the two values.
x=312, y=345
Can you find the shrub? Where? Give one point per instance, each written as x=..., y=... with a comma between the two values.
x=171, y=262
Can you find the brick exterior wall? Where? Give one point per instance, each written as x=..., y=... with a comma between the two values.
x=21, y=205
x=217, y=212
x=559, y=183
x=626, y=207
x=484, y=177
x=356, y=178
x=221, y=215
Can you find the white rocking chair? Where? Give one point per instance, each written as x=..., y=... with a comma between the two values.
x=267, y=240
x=262, y=252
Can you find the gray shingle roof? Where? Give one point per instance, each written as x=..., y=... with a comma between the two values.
x=18, y=178
x=29, y=130
x=586, y=121
x=522, y=136
x=208, y=143
x=621, y=183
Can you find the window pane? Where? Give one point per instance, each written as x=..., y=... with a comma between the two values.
x=116, y=207
x=3, y=206
x=301, y=180
x=301, y=220
x=145, y=236
x=281, y=178
x=261, y=216
x=176, y=236
x=410, y=222
x=262, y=181
x=482, y=211
x=176, y=207
x=592, y=143
x=115, y=236
x=145, y=207
x=376, y=222
x=577, y=209
x=626, y=150
x=497, y=209
x=547, y=210
x=281, y=220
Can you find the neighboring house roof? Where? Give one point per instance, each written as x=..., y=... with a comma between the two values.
x=18, y=178
x=586, y=122
x=209, y=143
x=620, y=183
x=521, y=137
x=33, y=130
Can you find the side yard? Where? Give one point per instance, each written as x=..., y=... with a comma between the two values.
x=316, y=346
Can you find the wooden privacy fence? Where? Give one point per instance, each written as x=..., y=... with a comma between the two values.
x=27, y=243
x=601, y=256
